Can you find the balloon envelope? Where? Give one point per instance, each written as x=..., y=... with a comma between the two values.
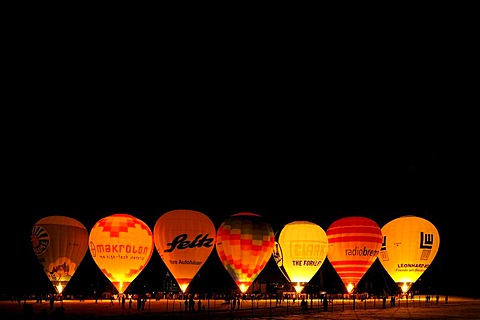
x=121, y=246
x=245, y=242
x=409, y=245
x=184, y=240
x=60, y=244
x=300, y=251
x=353, y=245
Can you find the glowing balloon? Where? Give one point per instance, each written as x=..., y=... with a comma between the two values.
x=245, y=242
x=300, y=251
x=353, y=245
x=60, y=244
x=121, y=246
x=184, y=240
x=409, y=245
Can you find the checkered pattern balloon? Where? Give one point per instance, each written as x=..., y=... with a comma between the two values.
x=245, y=243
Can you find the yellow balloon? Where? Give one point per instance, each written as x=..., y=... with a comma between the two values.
x=60, y=243
x=184, y=240
x=409, y=246
x=121, y=246
x=300, y=252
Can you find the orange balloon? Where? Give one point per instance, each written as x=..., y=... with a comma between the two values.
x=245, y=243
x=353, y=245
x=184, y=240
x=60, y=243
x=121, y=246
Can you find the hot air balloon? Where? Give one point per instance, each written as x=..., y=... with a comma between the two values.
x=409, y=245
x=121, y=245
x=60, y=244
x=353, y=245
x=300, y=252
x=245, y=243
x=184, y=240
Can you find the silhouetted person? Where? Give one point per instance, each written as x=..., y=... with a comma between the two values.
x=191, y=303
x=303, y=305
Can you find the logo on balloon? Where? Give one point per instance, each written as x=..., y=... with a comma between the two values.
x=93, y=251
x=426, y=240
x=361, y=252
x=40, y=239
x=278, y=255
x=180, y=242
x=120, y=248
x=307, y=249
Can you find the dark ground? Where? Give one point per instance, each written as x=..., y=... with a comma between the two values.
x=456, y=308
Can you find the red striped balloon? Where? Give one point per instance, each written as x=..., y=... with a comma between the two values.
x=353, y=245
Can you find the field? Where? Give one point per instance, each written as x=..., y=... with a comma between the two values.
x=419, y=308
